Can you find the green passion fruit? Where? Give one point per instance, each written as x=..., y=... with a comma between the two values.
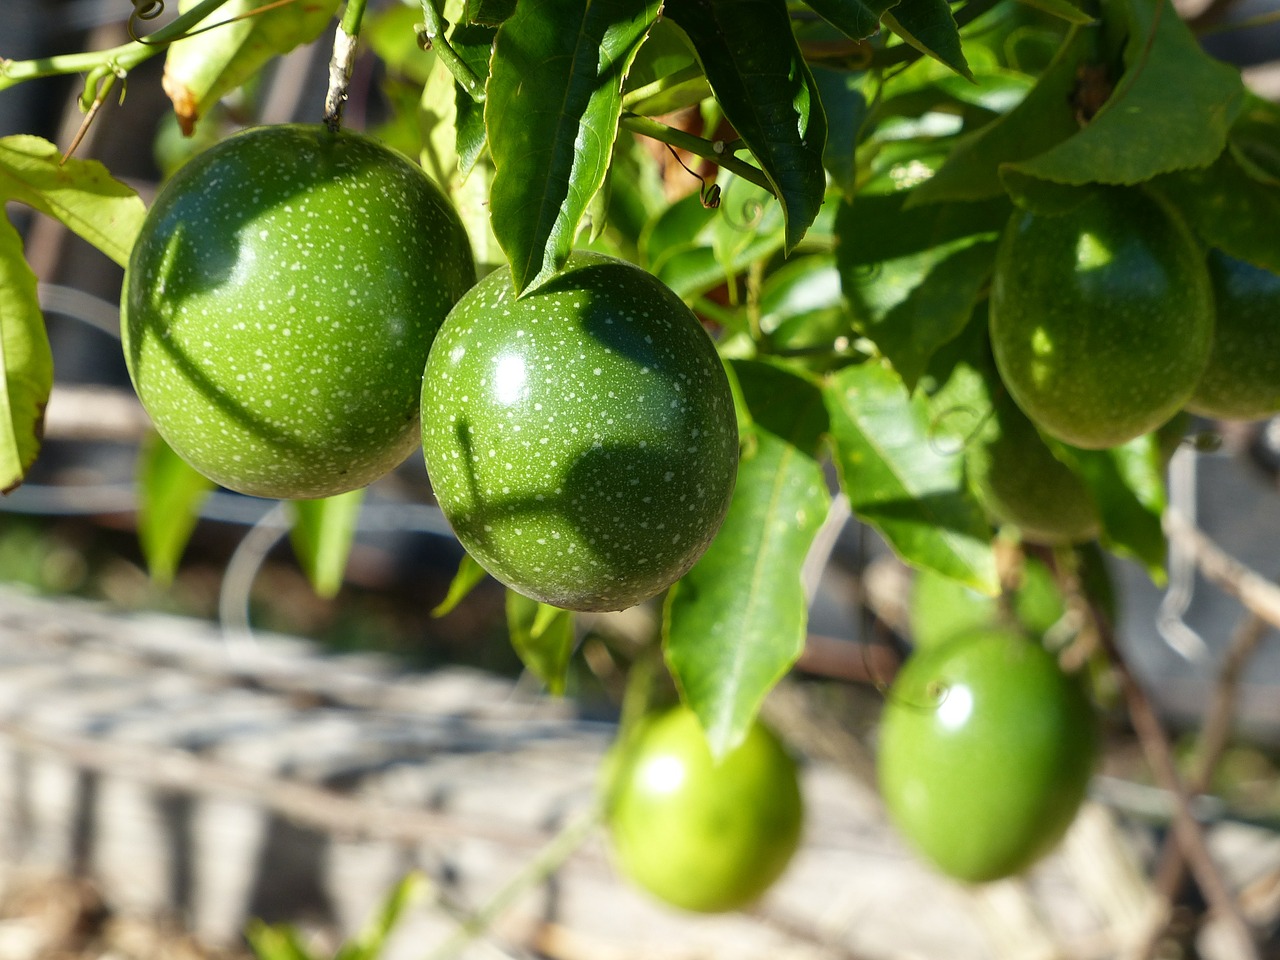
x=580, y=439
x=1102, y=317
x=279, y=305
x=1242, y=381
x=699, y=834
x=986, y=749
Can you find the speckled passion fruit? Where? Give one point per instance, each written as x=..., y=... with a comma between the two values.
x=1242, y=381
x=279, y=305
x=696, y=833
x=986, y=750
x=581, y=439
x=1101, y=318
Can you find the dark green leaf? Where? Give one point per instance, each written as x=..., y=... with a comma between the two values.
x=491, y=12
x=543, y=638
x=934, y=311
x=473, y=44
x=1127, y=483
x=874, y=228
x=1040, y=121
x=929, y=27
x=761, y=81
x=903, y=472
x=26, y=363
x=846, y=110
x=80, y=194
x=736, y=622
x=469, y=575
x=856, y=19
x=553, y=100
x=322, y=534
x=170, y=492
x=1255, y=139
x=1170, y=86
x=1230, y=209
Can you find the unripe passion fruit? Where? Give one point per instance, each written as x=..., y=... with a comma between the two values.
x=1101, y=318
x=986, y=748
x=700, y=834
x=280, y=303
x=581, y=439
x=1243, y=378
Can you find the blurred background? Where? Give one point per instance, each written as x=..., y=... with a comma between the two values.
x=175, y=762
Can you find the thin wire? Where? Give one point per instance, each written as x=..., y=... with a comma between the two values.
x=242, y=570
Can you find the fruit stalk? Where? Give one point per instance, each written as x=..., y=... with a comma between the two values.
x=343, y=61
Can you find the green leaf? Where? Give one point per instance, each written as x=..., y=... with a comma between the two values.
x=802, y=307
x=1063, y=10
x=369, y=943
x=322, y=533
x=929, y=27
x=1170, y=86
x=1043, y=119
x=208, y=65
x=26, y=363
x=1127, y=484
x=875, y=228
x=1229, y=209
x=474, y=45
x=468, y=577
x=736, y=622
x=542, y=637
x=552, y=105
x=903, y=473
x=491, y=12
x=1255, y=139
x=854, y=18
x=846, y=108
x=80, y=194
x=763, y=84
x=170, y=492
x=276, y=942
x=934, y=311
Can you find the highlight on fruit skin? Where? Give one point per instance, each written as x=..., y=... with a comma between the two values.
x=1242, y=381
x=986, y=750
x=279, y=305
x=1101, y=317
x=697, y=833
x=581, y=439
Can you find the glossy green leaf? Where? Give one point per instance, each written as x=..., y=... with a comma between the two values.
x=736, y=622
x=874, y=228
x=903, y=473
x=207, y=66
x=543, y=637
x=1170, y=86
x=802, y=306
x=929, y=27
x=764, y=86
x=468, y=577
x=322, y=534
x=1229, y=209
x=473, y=43
x=1043, y=119
x=856, y=19
x=26, y=363
x=1127, y=484
x=934, y=310
x=554, y=96
x=80, y=194
x=170, y=493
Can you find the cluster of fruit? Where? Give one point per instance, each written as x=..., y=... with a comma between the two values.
x=288, y=289
x=1106, y=321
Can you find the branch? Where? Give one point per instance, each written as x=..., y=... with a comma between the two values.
x=1255, y=592
x=342, y=63
x=699, y=147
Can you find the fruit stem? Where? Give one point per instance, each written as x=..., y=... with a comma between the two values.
x=341, y=64
x=432, y=37
x=116, y=60
x=715, y=151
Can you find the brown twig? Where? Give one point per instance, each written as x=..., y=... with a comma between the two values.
x=1255, y=592
x=1214, y=737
